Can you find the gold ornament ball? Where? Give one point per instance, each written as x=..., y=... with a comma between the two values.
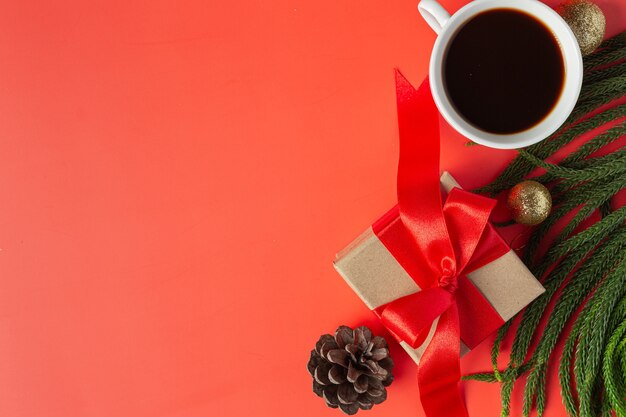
x=586, y=21
x=529, y=203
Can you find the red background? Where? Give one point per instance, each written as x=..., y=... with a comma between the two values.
x=176, y=179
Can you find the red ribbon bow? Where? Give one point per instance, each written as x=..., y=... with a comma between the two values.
x=439, y=244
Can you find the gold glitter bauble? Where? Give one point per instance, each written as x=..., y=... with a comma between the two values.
x=587, y=22
x=529, y=202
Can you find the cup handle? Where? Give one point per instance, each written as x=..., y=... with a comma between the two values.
x=434, y=14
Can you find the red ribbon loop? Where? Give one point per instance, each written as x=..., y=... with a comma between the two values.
x=465, y=216
x=446, y=239
x=407, y=318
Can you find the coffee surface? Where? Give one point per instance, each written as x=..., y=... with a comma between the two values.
x=503, y=71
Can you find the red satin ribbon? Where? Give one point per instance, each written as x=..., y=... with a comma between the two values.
x=437, y=244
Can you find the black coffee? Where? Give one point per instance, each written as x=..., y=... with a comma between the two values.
x=503, y=71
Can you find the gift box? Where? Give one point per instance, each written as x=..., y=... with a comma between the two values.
x=378, y=278
x=433, y=269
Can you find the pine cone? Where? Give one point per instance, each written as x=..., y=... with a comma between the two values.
x=351, y=370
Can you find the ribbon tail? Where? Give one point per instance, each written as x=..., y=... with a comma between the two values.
x=440, y=370
x=419, y=193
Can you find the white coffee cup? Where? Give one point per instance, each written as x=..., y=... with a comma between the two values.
x=446, y=27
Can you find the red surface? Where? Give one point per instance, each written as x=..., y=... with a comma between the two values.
x=177, y=177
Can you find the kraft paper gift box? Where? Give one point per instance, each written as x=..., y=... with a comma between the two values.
x=378, y=278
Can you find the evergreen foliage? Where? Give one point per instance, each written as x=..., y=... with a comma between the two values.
x=583, y=271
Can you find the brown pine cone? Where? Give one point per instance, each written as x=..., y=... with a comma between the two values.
x=351, y=370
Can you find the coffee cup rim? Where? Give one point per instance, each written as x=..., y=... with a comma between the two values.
x=572, y=83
